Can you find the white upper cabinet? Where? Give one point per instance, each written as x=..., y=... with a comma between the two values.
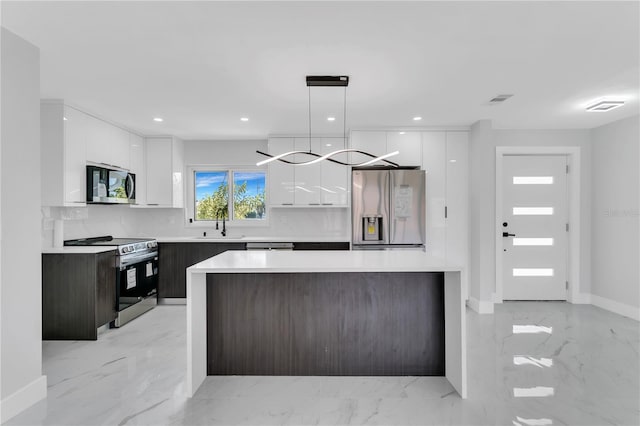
x=107, y=144
x=409, y=144
x=457, y=165
x=138, y=155
x=434, y=151
x=335, y=177
x=321, y=184
x=307, y=178
x=372, y=142
x=281, y=175
x=165, y=175
x=63, y=131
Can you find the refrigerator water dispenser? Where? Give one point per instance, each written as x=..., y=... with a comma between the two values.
x=372, y=228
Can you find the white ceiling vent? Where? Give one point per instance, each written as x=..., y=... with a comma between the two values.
x=499, y=99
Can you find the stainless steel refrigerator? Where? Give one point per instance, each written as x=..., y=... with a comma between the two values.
x=388, y=208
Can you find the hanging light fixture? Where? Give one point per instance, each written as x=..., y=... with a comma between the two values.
x=328, y=81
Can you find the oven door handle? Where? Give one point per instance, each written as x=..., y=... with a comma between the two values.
x=132, y=260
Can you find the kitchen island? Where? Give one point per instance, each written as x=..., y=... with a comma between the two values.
x=359, y=313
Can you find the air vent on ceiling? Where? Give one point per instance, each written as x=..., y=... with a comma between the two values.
x=499, y=99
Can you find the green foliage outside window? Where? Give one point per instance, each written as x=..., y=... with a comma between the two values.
x=212, y=195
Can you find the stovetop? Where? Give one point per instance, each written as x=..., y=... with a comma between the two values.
x=125, y=245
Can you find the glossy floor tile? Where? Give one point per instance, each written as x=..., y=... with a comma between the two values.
x=530, y=364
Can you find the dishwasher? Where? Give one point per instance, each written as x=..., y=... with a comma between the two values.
x=269, y=246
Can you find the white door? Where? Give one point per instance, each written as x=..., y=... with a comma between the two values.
x=534, y=227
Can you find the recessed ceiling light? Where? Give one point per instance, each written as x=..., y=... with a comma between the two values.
x=602, y=106
x=401, y=133
x=331, y=119
x=244, y=118
x=158, y=119
x=417, y=118
x=64, y=118
x=452, y=161
x=328, y=144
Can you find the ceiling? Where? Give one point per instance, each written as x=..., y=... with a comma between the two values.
x=203, y=65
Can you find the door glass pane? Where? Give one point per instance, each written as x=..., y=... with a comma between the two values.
x=533, y=241
x=533, y=211
x=212, y=195
x=532, y=180
x=532, y=272
x=249, y=195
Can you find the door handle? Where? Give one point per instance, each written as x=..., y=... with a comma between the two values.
x=506, y=234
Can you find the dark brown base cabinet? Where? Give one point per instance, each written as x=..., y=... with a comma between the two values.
x=325, y=324
x=175, y=258
x=78, y=294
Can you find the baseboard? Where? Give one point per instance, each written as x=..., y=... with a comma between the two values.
x=23, y=398
x=480, y=306
x=616, y=307
x=581, y=299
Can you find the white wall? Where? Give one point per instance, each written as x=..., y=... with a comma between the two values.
x=22, y=382
x=483, y=141
x=615, y=190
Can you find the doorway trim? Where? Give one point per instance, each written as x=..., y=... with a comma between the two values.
x=573, y=189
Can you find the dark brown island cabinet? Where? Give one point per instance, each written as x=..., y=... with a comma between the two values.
x=78, y=294
x=175, y=258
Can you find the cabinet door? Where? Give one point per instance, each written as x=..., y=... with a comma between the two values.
x=281, y=175
x=105, y=288
x=307, y=178
x=137, y=153
x=75, y=134
x=177, y=173
x=372, y=142
x=159, y=167
x=433, y=162
x=457, y=165
x=335, y=177
x=98, y=140
x=119, y=147
x=410, y=146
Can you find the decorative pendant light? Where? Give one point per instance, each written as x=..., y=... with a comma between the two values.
x=328, y=81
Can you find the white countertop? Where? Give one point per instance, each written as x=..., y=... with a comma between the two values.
x=78, y=249
x=323, y=261
x=219, y=239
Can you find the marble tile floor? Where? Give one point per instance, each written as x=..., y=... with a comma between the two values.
x=530, y=364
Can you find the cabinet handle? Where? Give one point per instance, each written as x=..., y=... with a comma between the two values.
x=327, y=204
x=287, y=204
x=314, y=204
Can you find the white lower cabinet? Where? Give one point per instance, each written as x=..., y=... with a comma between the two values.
x=321, y=184
x=164, y=172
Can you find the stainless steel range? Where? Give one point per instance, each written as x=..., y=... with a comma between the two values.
x=136, y=274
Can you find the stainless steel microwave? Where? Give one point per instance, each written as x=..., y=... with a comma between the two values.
x=110, y=186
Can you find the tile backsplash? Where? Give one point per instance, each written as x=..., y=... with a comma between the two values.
x=124, y=221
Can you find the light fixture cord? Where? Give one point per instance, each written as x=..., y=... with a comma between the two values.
x=344, y=119
x=309, y=119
